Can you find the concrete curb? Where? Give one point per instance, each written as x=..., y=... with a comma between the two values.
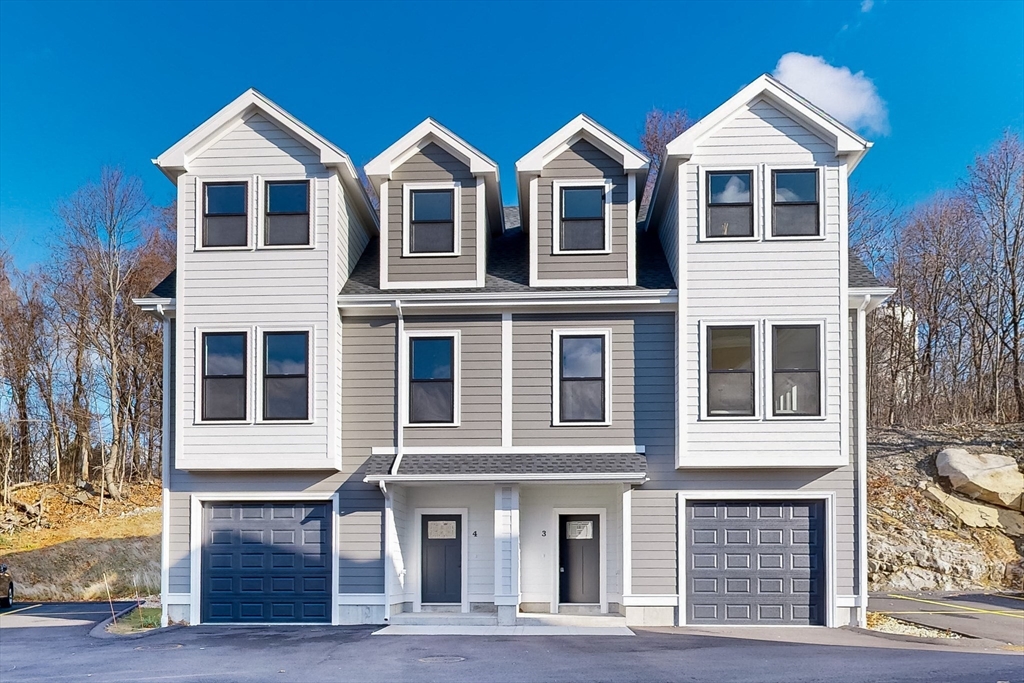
x=100, y=632
x=964, y=641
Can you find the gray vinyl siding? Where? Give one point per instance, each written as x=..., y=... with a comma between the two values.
x=774, y=280
x=582, y=161
x=668, y=232
x=642, y=358
x=432, y=164
x=480, y=383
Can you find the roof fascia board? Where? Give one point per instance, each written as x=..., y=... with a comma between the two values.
x=384, y=164
x=583, y=127
x=869, y=298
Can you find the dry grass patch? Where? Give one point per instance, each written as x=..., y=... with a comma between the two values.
x=139, y=619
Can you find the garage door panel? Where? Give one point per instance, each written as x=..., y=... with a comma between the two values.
x=755, y=562
x=266, y=562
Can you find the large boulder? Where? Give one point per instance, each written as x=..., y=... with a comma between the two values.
x=985, y=476
x=971, y=514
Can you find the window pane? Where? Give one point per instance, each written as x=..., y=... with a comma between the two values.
x=583, y=202
x=731, y=393
x=730, y=221
x=731, y=348
x=796, y=393
x=224, y=398
x=287, y=197
x=798, y=219
x=796, y=186
x=284, y=230
x=582, y=357
x=582, y=400
x=225, y=354
x=429, y=238
x=286, y=353
x=285, y=398
x=225, y=199
x=795, y=348
x=431, y=402
x=432, y=358
x=581, y=235
x=729, y=188
x=225, y=231
x=432, y=205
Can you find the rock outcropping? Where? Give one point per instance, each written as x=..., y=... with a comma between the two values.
x=985, y=476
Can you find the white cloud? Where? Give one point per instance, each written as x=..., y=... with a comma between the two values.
x=735, y=192
x=866, y=5
x=850, y=97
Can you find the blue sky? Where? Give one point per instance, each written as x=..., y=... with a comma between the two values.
x=88, y=84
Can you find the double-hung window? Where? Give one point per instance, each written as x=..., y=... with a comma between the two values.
x=730, y=204
x=286, y=376
x=582, y=224
x=582, y=378
x=225, y=218
x=432, y=377
x=795, y=211
x=432, y=221
x=796, y=370
x=224, y=376
x=730, y=371
x=286, y=222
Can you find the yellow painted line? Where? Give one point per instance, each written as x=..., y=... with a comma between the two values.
x=15, y=611
x=960, y=608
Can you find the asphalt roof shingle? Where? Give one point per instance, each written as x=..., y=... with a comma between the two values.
x=501, y=464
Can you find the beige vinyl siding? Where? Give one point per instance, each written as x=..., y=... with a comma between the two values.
x=480, y=383
x=582, y=161
x=780, y=281
x=432, y=164
x=641, y=379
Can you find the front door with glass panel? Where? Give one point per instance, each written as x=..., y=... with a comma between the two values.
x=579, y=559
x=441, y=562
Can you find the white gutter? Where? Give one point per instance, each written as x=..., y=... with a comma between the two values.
x=869, y=298
x=161, y=307
x=403, y=390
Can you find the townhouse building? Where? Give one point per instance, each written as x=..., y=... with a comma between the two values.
x=448, y=405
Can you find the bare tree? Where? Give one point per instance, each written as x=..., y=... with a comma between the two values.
x=660, y=128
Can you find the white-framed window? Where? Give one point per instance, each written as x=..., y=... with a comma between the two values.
x=795, y=210
x=581, y=377
x=796, y=381
x=729, y=359
x=286, y=211
x=432, y=219
x=434, y=377
x=729, y=203
x=223, y=371
x=224, y=213
x=581, y=213
x=284, y=390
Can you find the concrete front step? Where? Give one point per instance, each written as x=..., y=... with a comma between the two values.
x=443, y=619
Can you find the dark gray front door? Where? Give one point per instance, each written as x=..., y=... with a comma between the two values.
x=579, y=558
x=442, y=558
x=755, y=562
x=266, y=562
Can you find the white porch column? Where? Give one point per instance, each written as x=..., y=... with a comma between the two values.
x=506, y=552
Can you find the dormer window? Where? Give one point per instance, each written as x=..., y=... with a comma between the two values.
x=432, y=221
x=730, y=204
x=795, y=210
x=287, y=215
x=225, y=219
x=582, y=226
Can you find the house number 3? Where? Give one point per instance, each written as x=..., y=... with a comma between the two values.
x=544, y=532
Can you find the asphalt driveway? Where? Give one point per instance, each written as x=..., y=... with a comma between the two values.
x=996, y=616
x=47, y=648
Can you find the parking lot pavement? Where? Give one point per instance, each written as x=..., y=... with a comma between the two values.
x=349, y=653
x=996, y=616
x=57, y=614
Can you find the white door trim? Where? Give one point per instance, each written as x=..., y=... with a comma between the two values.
x=603, y=564
x=417, y=550
x=829, y=497
x=196, y=539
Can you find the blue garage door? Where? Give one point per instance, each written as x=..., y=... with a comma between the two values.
x=266, y=562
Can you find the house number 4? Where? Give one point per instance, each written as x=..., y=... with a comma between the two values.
x=474, y=533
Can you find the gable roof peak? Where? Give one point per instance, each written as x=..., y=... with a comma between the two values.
x=583, y=126
x=427, y=131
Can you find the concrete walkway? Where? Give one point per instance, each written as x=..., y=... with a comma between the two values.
x=443, y=624
x=996, y=616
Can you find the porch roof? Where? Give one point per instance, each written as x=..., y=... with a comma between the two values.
x=534, y=467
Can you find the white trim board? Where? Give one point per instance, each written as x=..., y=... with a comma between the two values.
x=196, y=501
x=829, y=498
x=557, y=185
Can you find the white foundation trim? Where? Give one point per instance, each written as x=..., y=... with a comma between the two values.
x=415, y=564
x=829, y=498
x=849, y=601
x=196, y=538
x=670, y=600
x=556, y=559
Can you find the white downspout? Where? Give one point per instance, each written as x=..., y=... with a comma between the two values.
x=389, y=508
x=862, y=459
x=403, y=390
